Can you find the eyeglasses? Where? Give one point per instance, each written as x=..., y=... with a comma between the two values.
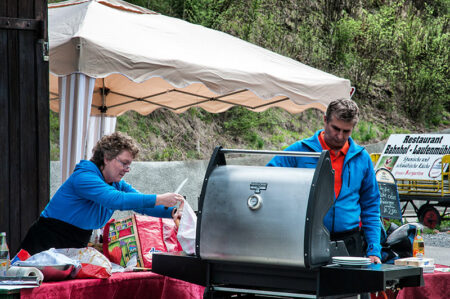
x=126, y=166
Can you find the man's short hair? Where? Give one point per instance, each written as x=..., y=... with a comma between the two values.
x=110, y=146
x=343, y=109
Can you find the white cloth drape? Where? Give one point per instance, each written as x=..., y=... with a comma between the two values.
x=76, y=99
x=99, y=126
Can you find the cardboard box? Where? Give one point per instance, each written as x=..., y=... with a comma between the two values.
x=415, y=261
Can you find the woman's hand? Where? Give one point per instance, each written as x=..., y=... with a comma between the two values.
x=168, y=199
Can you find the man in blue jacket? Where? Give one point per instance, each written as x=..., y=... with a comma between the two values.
x=357, y=198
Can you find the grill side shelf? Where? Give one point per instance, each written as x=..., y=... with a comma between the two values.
x=339, y=280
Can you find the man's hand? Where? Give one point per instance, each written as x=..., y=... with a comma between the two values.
x=168, y=199
x=374, y=259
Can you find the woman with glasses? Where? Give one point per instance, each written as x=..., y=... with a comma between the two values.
x=89, y=197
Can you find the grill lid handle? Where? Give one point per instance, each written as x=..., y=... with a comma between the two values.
x=266, y=152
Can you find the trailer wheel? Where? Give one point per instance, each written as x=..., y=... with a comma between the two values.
x=429, y=216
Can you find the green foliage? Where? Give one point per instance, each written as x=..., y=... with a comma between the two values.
x=54, y=136
x=254, y=140
x=201, y=114
x=365, y=131
x=136, y=127
x=361, y=45
x=422, y=72
x=387, y=223
x=205, y=12
x=193, y=155
x=173, y=8
x=387, y=131
x=444, y=225
x=168, y=154
x=404, y=49
x=395, y=52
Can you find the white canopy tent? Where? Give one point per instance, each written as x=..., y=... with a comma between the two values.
x=109, y=56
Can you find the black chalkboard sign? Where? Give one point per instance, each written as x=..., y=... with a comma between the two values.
x=390, y=202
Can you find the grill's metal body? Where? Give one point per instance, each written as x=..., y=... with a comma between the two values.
x=265, y=215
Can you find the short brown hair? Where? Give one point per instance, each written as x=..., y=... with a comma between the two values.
x=110, y=146
x=343, y=109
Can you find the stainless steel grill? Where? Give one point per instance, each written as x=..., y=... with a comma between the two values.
x=267, y=215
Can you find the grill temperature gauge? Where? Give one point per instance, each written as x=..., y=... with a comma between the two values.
x=254, y=202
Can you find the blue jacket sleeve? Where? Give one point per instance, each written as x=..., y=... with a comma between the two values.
x=92, y=187
x=370, y=210
x=157, y=211
x=124, y=186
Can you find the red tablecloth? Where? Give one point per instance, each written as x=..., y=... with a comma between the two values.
x=437, y=286
x=119, y=285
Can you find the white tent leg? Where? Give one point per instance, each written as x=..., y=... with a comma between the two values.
x=76, y=99
x=98, y=127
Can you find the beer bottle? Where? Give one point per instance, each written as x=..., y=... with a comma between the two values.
x=418, y=244
x=4, y=255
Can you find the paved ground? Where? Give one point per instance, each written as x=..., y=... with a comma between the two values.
x=441, y=255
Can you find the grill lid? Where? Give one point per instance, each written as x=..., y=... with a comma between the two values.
x=268, y=215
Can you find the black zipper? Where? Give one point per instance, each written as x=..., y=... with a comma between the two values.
x=348, y=184
x=335, y=200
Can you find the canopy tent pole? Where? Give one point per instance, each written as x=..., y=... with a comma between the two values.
x=76, y=99
x=97, y=131
x=102, y=123
x=99, y=125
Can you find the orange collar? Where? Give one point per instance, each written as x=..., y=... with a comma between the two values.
x=325, y=146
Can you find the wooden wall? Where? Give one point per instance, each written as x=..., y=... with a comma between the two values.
x=24, y=117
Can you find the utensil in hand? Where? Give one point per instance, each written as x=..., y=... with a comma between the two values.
x=181, y=185
x=179, y=188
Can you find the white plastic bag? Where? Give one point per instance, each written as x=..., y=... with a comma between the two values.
x=187, y=229
x=87, y=255
x=50, y=257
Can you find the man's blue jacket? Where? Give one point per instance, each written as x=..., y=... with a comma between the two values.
x=359, y=197
x=87, y=201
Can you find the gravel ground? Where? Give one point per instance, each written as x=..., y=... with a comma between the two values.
x=441, y=239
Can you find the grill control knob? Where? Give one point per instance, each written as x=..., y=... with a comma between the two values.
x=254, y=202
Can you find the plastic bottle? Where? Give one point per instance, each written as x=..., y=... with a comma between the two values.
x=4, y=255
x=418, y=244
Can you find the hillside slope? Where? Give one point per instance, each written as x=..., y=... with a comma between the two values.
x=166, y=136
x=394, y=52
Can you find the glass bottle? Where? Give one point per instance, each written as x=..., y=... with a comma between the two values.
x=418, y=244
x=4, y=255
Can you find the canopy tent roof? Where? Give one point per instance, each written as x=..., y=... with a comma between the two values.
x=122, y=94
x=143, y=61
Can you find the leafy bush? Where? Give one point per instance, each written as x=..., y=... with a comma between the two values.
x=422, y=72
x=54, y=136
x=364, y=132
